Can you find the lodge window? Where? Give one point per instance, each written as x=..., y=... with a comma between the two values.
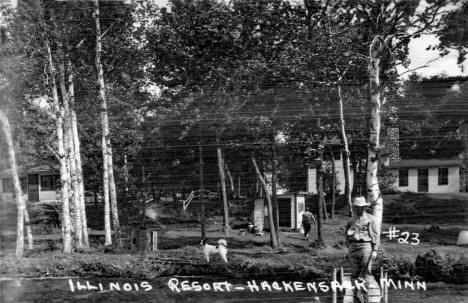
x=443, y=176
x=48, y=182
x=402, y=177
x=7, y=185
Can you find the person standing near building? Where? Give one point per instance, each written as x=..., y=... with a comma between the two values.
x=363, y=239
x=307, y=218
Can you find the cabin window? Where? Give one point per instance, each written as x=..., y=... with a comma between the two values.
x=402, y=177
x=48, y=182
x=443, y=176
x=7, y=185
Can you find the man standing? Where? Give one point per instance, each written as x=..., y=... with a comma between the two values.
x=307, y=218
x=363, y=239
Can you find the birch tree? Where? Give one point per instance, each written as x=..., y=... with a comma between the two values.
x=59, y=117
x=108, y=172
x=346, y=153
x=8, y=65
x=391, y=25
x=77, y=154
x=273, y=236
x=70, y=150
x=22, y=216
x=222, y=178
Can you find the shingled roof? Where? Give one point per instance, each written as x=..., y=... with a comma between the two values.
x=412, y=163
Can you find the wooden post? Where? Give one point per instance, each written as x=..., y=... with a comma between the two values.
x=202, y=205
x=151, y=240
x=154, y=240
x=382, y=289
x=334, y=299
x=341, y=274
x=133, y=239
x=386, y=288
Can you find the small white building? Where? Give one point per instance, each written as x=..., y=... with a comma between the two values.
x=291, y=206
x=340, y=177
x=427, y=175
x=38, y=184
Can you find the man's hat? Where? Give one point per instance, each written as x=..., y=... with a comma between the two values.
x=360, y=201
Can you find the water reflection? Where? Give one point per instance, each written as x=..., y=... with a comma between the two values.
x=59, y=290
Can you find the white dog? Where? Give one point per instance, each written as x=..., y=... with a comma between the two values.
x=220, y=249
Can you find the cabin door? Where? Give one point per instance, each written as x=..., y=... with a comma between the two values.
x=284, y=210
x=33, y=188
x=423, y=180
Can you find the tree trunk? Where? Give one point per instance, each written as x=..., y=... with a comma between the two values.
x=324, y=208
x=70, y=153
x=373, y=191
x=332, y=157
x=27, y=223
x=273, y=237
x=107, y=147
x=105, y=189
x=274, y=178
x=202, y=202
x=320, y=197
x=113, y=193
x=223, y=188
x=59, y=114
x=77, y=150
x=231, y=181
x=346, y=164
x=21, y=205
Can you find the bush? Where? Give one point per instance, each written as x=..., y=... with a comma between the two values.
x=387, y=180
x=435, y=267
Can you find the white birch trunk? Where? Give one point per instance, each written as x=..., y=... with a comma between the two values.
x=105, y=186
x=21, y=205
x=223, y=189
x=71, y=204
x=332, y=157
x=108, y=163
x=373, y=191
x=274, y=239
x=70, y=152
x=59, y=114
x=231, y=181
x=77, y=151
x=346, y=162
x=27, y=223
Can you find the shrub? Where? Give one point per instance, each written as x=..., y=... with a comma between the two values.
x=434, y=266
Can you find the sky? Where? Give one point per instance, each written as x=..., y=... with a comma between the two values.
x=419, y=56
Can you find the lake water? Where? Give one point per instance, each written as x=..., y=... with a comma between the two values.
x=65, y=290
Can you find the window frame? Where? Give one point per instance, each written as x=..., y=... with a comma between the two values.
x=7, y=185
x=442, y=178
x=53, y=182
x=400, y=184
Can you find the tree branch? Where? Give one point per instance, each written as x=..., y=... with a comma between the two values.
x=81, y=42
x=56, y=154
x=105, y=32
x=419, y=67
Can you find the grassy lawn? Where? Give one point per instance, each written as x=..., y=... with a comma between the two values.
x=179, y=253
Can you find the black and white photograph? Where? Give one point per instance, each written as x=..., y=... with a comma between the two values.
x=227, y=151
